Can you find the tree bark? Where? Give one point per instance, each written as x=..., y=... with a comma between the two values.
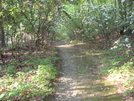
x=2, y=33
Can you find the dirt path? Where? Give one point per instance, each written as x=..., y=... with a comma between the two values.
x=79, y=80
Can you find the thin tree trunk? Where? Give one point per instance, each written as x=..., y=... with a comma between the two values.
x=2, y=34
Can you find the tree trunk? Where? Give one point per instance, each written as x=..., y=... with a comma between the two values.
x=2, y=34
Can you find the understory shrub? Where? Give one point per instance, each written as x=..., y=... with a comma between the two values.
x=32, y=82
x=118, y=66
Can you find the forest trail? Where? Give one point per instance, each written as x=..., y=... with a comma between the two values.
x=79, y=80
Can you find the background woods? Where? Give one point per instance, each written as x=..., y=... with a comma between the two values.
x=85, y=20
x=22, y=21
x=26, y=24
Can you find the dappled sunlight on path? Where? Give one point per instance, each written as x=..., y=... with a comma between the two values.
x=79, y=80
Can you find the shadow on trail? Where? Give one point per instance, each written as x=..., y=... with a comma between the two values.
x=79, y=80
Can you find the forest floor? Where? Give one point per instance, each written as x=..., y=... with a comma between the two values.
x=79, y=79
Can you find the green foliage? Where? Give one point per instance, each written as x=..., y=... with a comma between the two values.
x=84, y=20
x=33, y=82
x=118, y=66
x=129, y=92
x=28, y=18
x=10, y=68
x=114, y=59
x=77, y=19
x=91, y=19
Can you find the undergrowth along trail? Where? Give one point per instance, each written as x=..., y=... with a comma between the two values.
x=29, y=80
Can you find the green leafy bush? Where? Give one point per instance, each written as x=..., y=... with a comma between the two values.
x=35, y=82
